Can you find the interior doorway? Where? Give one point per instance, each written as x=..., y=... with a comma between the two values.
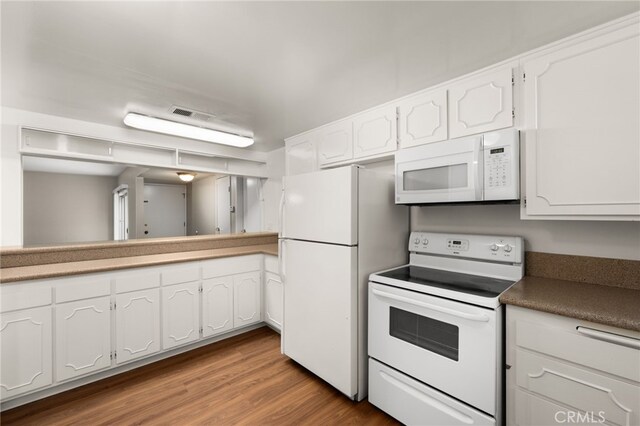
x=165, y=210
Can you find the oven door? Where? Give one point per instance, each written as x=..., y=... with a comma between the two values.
x=443, y=172
x=450, y=346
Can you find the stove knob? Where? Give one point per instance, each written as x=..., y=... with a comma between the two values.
x=494, y=247
x=416, y=241
x=425, y=241
x=507, y=248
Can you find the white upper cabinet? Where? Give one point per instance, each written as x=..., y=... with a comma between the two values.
x=137, y=324
x=374, y=132
x=481, y=103
x=25, y=351
x=335, y=142
x=422, y=118
x=83, y=337
x=300, y=154
x=582, y=113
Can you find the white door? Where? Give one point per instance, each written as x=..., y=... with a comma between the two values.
x=273, y=300
x=582, y=109
x=180, y=314
x=217, y=306
x=423, y=119
x=223, y=205
x=374, y=132
x=252, y=205
x=481, y=103
x=165, y=210
x=320, y=310
x=300, y=154
x=247, y=299
x=83, y=337
x=321, y=206
x=137, y=324
x=25, y=351
x=335, y=142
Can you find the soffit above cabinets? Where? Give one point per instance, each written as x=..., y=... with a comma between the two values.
x=274, y=68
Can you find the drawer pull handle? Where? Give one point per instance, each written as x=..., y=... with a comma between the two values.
x=617, y=339
x=464, y=315
x=416, y=393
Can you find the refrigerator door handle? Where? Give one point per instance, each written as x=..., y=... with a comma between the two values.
x=281, y=212
x=281, y=243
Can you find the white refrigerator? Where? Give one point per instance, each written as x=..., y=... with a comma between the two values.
x=337, y=227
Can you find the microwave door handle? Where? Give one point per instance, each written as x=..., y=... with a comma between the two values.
x=478, y=169
x=442, y=309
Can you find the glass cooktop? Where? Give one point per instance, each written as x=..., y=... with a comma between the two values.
x=454, y=281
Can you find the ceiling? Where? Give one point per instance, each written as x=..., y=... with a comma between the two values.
x=271, y=68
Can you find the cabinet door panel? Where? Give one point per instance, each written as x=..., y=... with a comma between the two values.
x=25, y=358
x=83, y=337
x=423, y=119
x=374, y=132
x=300, y=155
x=335, y=142
x=273, y=300
x=481, y=103
x=217, y=306
x=247, y=298
x=180, y=314
x=582, y=111
x=137, y=324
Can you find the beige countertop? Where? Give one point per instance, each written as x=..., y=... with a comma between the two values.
x=51, y=270
x=615, y=306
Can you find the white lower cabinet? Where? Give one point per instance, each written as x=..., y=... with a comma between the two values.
x=25, y=351
x=564, y=370
x=180, y=314
x=273, y=300
x=247, y=299
x=217, y=306
x=83, y=337
x=137, y=324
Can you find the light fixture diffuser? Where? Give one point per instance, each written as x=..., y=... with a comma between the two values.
x=158, y=125
x=186, y=177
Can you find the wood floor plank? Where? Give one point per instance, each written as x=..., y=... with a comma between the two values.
x=243, y=380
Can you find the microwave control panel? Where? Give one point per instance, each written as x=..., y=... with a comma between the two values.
x=497, y=165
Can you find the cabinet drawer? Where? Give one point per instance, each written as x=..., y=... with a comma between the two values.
x=184, y=273
x=271, y=264
x=83, y=287
x=558, y=337
x=587, y=391
x=24, y=295
x=230, y=265
x=137, y=280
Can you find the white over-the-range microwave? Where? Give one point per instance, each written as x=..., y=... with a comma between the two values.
x=473, y=169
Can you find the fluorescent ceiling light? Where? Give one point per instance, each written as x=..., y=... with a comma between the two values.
x=152, y=124
x=186, y=177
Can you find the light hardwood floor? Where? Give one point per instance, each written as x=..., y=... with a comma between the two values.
x=243, y=380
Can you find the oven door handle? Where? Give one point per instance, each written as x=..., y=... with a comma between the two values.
x=442, y=309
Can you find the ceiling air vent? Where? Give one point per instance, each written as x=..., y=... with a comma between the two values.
x=195, y=115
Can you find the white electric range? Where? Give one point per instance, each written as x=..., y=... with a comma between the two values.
x=436, y=329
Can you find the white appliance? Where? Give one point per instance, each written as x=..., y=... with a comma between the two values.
x=436, y=329
x=337, y=226
x=474, y=169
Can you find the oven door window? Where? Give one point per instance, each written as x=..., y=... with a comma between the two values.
x=436, y=178
x=435, y=336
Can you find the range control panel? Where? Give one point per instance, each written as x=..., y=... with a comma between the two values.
x=483, y=247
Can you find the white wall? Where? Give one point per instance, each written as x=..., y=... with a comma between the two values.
x=201, y=207
x=584, y=238
x=64, y=208
x=272, y=190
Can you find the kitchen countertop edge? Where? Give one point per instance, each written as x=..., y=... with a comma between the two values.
x=613, y=306
x=57, y=270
